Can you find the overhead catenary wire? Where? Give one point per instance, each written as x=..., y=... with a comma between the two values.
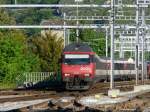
x=64, y=6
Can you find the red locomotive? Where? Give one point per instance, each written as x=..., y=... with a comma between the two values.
x=78, y=66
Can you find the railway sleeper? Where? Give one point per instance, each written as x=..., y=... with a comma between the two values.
x=72, y=106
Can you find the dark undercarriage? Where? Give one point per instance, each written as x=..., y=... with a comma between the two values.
x=77, y=83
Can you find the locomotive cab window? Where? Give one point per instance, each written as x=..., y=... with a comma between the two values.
x=76, y=59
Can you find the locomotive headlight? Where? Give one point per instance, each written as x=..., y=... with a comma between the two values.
x=86, y=75
x=66, y=75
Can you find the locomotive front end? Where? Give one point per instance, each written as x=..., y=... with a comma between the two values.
x=77, y=69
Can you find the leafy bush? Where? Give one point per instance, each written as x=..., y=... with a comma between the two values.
x=15, y=58
x=48, y=47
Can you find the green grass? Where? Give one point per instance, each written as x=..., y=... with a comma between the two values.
x=6, y=86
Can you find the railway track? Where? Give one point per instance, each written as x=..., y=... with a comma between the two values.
x=28, y=95
x=18, y=95
x=15, y=98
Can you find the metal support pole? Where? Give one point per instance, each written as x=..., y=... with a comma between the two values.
x=15, y=1
x=143, y=60
x=77, y=33
x=120, y=54
x=68, y=36
x=112, y=45
x=131, y=55
x=143, y=45
x=106, y=42
x=136, y=64
x=120, y=11
x=64, y=30
x=146, y=57
x=137, y=43
x=121, y=47
x=77, y=30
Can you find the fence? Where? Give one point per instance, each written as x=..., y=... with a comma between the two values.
x=37, y=77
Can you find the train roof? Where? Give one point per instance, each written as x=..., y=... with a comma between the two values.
x=107, y=60
x=77, y=47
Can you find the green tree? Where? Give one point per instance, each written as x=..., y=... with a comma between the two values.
x=49, y=48
x=5, y=18
x=15, y=58
x=95, y=38
x=33, y=16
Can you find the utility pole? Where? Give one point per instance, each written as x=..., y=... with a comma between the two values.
x=137, y=44
x=64, y=30
x=143, y=59
x=77, y=30
x=112, y=44
x=119, y=9
x=15, y=1
x=121, y=46
x=143, y=44
x=68, y=36
x=106, y=42
x=77, y=22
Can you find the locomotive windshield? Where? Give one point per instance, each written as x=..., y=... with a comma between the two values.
x=76, y=59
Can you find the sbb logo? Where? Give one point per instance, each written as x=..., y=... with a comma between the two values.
x=84, y=68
